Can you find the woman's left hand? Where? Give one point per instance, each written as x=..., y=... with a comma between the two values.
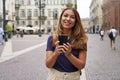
x=67, y=49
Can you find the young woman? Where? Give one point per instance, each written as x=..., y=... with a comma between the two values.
x=65, y=61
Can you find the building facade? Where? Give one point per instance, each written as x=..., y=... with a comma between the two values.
x=9, y=11
x=40, y=14
x=86, y=24
x=96, y=15
x=53, y=10
x=111, y=14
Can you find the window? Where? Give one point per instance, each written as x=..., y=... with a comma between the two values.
x=55, y=1
x=22, y=2
x=42, y=22
x=29, y=3
x=49, y=12
x=62, y=1
x=36, y=22
x=17, y=1
x=23, y=22
x=35, y=13
x=42, y=12
x=69, y=1
x=22, y=13
x=29, y=12
x=48, y=22
x=36, y=2
x=49, y=1
x=29, y=22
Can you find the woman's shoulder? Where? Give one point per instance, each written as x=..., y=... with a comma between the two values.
x=50, y=36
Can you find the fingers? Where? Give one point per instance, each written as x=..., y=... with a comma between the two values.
x=67, y=49
x=58, y=50
x=57, y=43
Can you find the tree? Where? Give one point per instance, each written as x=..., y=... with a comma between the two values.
x=69, y=5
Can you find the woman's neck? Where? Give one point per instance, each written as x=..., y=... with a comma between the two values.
x=67, y=32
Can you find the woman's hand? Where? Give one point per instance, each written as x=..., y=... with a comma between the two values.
x=58, y=49
x=66, y=49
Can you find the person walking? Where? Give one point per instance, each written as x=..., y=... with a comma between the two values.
x=112, y=36
x=1, y=36
x=66, y=61
x=101, y=34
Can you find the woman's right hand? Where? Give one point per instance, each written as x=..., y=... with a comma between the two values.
x=58, y=48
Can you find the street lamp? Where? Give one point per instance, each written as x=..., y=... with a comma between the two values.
x=40, y=18
x=39, y=31
x=4, y=20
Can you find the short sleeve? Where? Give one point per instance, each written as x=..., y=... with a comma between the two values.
x=50, y=46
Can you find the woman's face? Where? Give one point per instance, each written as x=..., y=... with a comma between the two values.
x=68, y=19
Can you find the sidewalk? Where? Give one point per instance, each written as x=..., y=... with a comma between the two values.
x=17, y=46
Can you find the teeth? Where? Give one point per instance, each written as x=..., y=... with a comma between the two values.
x=67, y=23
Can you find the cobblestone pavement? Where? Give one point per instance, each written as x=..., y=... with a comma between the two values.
x=103, y=63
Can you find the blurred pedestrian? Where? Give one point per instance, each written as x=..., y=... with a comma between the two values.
x=101, y=33
x=66, y=61
x=112, y=36
x=1, y=36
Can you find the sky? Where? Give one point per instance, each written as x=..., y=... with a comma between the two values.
x=83, y=8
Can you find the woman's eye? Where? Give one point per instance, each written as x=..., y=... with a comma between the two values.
x=73, y=17
x=65, y=15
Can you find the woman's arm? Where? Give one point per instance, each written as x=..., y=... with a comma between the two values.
x=51, y=56
x=78, y=62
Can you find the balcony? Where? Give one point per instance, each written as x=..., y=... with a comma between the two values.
x=42, y=17
x=29, y=17
x=17, y=18
x=17, y=6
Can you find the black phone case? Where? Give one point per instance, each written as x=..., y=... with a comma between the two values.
x=63, y=39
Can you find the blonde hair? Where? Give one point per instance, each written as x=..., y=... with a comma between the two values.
x=78, y=37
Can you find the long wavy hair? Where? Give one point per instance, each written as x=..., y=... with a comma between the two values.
x=78, y=37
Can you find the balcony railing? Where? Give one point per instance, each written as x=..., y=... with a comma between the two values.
x=29, y=17
x=42, y=17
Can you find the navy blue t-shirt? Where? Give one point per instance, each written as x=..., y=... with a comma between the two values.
x=62, y=63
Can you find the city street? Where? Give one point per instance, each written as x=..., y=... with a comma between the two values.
x=24, y=59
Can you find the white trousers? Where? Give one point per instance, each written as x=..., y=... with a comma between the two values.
x=57, y=75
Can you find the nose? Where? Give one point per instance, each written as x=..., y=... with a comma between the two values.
x=68, y=18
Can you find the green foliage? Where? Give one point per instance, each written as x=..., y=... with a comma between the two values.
x=8, y=28
x=69, y=5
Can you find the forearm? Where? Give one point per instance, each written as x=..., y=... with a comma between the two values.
x=50, y=60
x=76, y=62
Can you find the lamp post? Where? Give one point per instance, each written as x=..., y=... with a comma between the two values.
x=39, y=31
x=4, y=20
x=40, y=18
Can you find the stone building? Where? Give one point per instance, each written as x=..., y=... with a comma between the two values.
x=96, y=15
x=40, y=13
x=85, y=23
x=111, y=14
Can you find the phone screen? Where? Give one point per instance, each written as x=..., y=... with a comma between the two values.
x=63, y=39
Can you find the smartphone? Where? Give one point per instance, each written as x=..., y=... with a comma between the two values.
x=63, y=39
